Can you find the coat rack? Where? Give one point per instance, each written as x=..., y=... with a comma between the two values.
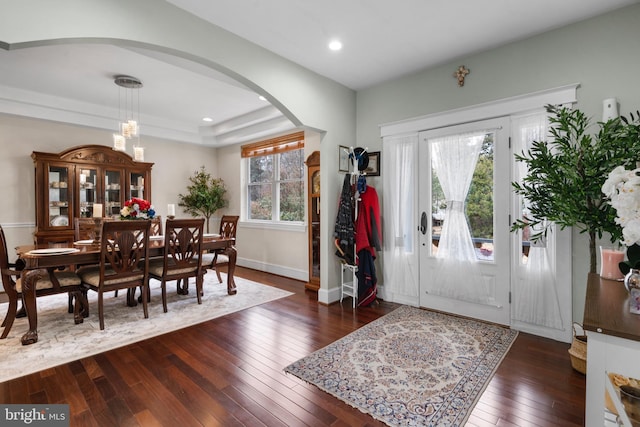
x=348, y=274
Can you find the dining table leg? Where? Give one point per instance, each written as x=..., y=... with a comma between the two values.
x=29, y=280
x=232, y=253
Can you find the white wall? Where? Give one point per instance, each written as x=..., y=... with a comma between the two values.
x=601, y=54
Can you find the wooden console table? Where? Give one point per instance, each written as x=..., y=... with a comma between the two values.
x=613, y=344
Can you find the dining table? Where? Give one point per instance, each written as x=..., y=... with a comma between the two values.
x=40, y=259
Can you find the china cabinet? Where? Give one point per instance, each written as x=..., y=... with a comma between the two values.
x=74, y=183
x=313, y=215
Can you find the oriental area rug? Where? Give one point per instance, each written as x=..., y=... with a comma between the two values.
x=61, y=341
x=411, y=367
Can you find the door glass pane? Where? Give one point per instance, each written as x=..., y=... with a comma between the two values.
x=478, y=206
x=137, y=185
x=59, y=196
x=87, y=182
x=315, y=237
x=112, y=188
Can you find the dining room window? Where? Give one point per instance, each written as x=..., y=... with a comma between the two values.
x=275, y=179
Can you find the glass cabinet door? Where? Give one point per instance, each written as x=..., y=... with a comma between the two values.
x=88, y=187
x=112, y=193
x=313, y=219
x=314, y=272
x=136, y=186
x=59, y=201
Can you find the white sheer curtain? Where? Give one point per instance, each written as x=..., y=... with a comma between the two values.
x=454, y=160
x=535, y=290
x=400, y=246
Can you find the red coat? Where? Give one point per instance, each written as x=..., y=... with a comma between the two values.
x=367, y=228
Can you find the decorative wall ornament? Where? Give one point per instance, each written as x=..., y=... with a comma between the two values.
x=460, y=74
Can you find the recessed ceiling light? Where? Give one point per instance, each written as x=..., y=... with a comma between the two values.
x=335, y=45
x=262, y=98
x=207, y=119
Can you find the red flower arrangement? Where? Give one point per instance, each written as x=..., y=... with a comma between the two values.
x=137, y=209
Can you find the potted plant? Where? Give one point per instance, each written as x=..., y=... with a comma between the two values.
x=566, y=174
x=204, y=196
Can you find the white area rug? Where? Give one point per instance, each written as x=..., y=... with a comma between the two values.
x=61, y=341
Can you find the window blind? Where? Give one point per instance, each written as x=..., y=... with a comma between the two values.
x=280, y=144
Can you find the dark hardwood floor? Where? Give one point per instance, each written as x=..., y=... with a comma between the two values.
x=229, y=372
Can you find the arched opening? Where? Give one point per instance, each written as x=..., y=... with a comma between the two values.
x=71, y=80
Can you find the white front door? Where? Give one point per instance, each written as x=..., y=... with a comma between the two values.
x=464, y=203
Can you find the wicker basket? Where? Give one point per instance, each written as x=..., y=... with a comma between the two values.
x=578, y=350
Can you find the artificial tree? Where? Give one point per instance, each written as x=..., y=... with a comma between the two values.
x=565, y=174
x=204, y=196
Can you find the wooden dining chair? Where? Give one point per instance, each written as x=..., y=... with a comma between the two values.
x=155, y=230
x=124, y=262
x=217, y=258
x=182, y=244
x=54, y=282
x=156, y=226
x=85, y=229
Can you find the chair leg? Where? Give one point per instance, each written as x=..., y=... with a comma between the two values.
x=70, y=308
x=164, y=295
x=199, y=281
x=145, y=295
x=100, y=310
x=9, y=318
x=218, y=274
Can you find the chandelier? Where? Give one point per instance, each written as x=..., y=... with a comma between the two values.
x=128, y=115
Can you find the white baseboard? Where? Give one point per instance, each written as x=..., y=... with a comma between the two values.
x=280, y=270
x=328, y=296
x=412, y=301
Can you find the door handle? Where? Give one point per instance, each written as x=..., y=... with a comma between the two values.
x=423, y=223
